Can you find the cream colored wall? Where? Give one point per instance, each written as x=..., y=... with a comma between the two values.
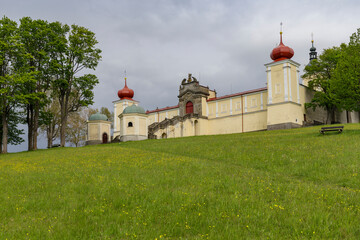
x=226, y=125
x=212, y=94
x=160, y=116
x=277, y=83
x=265, y=100
x=287, y=96
x=185, y=129
x=223, y=107
x=168, y=114
x=105, y=128
x=294, y=83
x=93, y=131
x=284, y=81
x=119, y=107
x=236, y=105
x=172, y=113
x=142, y=126
x=97, y=128
x=232, y=106
x=129, y=130
x=253, y=121
x=253, y=102
x=204, y=107
x=152, y=118
x=139, y=121
x=212, y=109
x=285, y=113
x=302, y=92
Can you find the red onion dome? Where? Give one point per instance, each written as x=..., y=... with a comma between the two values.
x=281, y=52
x=126, y=92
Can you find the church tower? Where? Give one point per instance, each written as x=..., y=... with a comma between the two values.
x=312, y=56
x=125, y=99
x=284, y=108
x=313, y=53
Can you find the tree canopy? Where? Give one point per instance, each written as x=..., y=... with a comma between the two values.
x=41, y=61
x=335, y=77
x=320, y=73
x=347, y=78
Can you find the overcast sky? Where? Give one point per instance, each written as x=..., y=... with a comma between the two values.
x=224, y=44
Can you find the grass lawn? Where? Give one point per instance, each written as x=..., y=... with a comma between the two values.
x=288, y=184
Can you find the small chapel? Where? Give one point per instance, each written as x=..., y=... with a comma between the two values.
x=279, y=105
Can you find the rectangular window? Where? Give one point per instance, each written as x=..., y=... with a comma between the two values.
x=238, y=106
x=253, y=103
x=223, y=108
x=277, y=88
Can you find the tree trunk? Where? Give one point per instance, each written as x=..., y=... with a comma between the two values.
x=29, y=119
x=63, y=130
x=333, y=116
x=348, y=117
x=328, y=120
x=330, y=116
x=49, y=136
x=4, y=133
x=63, y=121
x=1, y=140
x=35, y=126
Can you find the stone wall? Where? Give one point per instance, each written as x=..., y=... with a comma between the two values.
x=191, y=90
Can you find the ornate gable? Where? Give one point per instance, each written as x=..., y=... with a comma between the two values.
x=191, y=91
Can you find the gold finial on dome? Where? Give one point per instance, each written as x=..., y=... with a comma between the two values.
x=312, y=38
x=281, y=32
x=125, y=76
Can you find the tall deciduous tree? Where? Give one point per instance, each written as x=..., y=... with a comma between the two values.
x=13, y=76
x=347, y=81
x=40, y=39
x=321, y=74
x=74, y=91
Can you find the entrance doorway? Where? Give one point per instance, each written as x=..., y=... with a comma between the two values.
x=164, y=135
x=104, y=138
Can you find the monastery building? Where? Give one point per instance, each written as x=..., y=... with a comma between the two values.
x=280, y=105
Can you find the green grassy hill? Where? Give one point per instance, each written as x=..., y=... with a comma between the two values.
x=288, y=184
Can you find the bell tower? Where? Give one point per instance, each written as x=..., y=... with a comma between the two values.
x=313, y=53
x=125, y=99
x=283, y=107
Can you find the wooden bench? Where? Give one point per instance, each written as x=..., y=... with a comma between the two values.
x=338, y=129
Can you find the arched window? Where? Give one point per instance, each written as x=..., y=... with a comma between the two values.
x=189, y=107
x=130, y=124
